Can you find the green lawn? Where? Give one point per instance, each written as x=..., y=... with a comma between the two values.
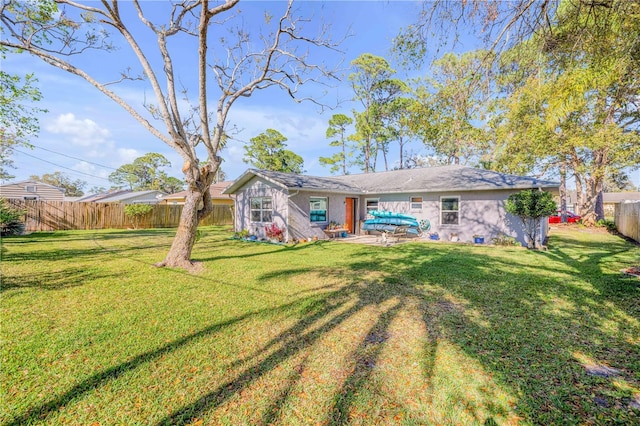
x=320, y=333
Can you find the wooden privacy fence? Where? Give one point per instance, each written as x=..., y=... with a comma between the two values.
x=61, y=215
x=627, y=218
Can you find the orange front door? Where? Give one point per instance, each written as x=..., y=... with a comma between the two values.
x=350, y=214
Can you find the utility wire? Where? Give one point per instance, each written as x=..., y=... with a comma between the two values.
x=75, y=158
x=58, y=165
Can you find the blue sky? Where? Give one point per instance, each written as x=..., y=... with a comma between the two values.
x=83, y=123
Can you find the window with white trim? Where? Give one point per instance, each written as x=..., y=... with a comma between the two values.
x=371, y=204
x=261, y=209
x=318, y=209
x=31, y=188
x=416, y=203
x=450, y=210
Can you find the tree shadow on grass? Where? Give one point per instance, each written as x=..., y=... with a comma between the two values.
x=52, y=280
x=42, y=411
x=526, y=327
x=532, y=329
x=328, y=312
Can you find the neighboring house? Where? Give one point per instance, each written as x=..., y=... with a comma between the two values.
x=217, y=197
x=92, y=198
x=125, y=197
x=31, y=190
x=455, y=199
x=610, y=199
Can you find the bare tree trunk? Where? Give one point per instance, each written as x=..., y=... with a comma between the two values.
x=197, y=206
x=589, y=216
x=579, y=195
x=344, y=156
x=179, y=255
x=384, y=156
x=599, y=207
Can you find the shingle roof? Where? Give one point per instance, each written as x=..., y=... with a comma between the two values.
x=293, y=181
x=126, y=196
x=616, y=197
x=433, y=179
x=95, y=197
x=216, y=191
x=443, y=178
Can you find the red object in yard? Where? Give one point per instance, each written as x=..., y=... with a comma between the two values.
x=571, y=218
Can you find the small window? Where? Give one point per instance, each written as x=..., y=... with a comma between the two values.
x=261, y=209
x=371, y=205
x=318, y=209
x=450, y=210
x=416, y=203
x=30, y=198
x=31, y=188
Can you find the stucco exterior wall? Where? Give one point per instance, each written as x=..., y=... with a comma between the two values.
x=300, y=225
x=480, y=212
x=260, y=188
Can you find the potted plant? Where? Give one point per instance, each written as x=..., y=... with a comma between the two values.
x=478, y=239
x=454, y=237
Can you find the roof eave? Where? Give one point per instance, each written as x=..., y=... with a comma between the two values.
x=246, y=177
x=460, y=189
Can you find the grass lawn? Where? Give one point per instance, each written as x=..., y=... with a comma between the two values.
x=320, y=333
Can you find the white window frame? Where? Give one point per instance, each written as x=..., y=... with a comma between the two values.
x=416, y=205
x=366, y=205
x=447, y=197
x=31, y=198
x=326, y=209
x=262, y=210
x=31, y=188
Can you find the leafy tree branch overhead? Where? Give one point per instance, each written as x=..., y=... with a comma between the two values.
x=236, y=60
x=18, y=118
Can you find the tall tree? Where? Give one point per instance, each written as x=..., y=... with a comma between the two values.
x=72, y=188
x=240, y=62
x=456, y=97
x=373, y=86
x=399, y=124
x=145, y=173
x=338, y=125
x=577, y=107
x=267, y=151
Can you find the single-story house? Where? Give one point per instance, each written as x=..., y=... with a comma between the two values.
x=455, y=199
x=31, y=190
x=217, y=197
x=610, y=199
x=125, y=197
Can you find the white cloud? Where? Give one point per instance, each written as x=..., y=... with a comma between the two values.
x=81, y=132
x=90, y=169
x=127, y=155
